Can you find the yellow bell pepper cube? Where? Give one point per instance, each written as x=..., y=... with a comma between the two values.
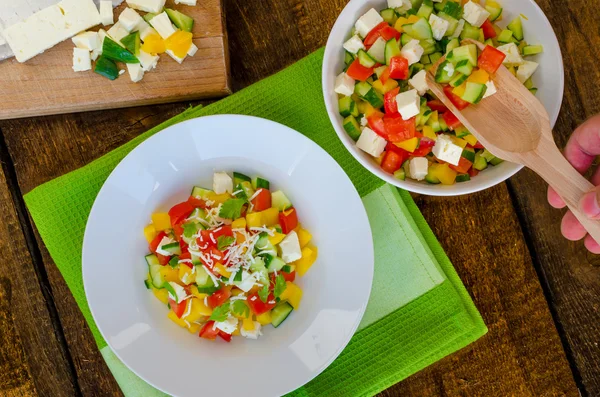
x=194, y=328
x=379, y=159
x=459, y=141
x=170, y=274
x=460, y=90
x=180, y=43
x=154, y=44
x=304, y=237
x=150, y=232
x=239, y=223
x=218, y=198
x=237, y=331
x=254, y=219
x=162, y=295
x=409, y=145
x=512, y=70
x=222, y=270
x=384, y=88
x=444, y=173
x=413, y=19
x=173, y=317
x=399, y=22
x=470, y=139
x=309, y=256
x=185, y=274
x=161, y=221
x=428, y=132
x=479, y=76
x=197, y=294
x=292, y=294
x=264, y=319
x=270, y=216
x=276, y=238
x=197, y=310
x=248, y=324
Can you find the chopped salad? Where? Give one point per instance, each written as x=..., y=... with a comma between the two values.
x=225, y=261
x=383, y=95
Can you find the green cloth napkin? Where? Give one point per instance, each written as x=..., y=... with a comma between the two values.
x=418, y=312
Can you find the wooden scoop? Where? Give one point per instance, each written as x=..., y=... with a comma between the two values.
x=513, y=125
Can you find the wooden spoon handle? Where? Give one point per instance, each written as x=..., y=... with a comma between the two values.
x=551, y=165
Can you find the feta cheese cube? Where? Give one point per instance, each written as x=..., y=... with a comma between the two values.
x=87, y=40
x=179, y=292
x=409, y=104
x=254, y=334
x=129, y=19
x=419, y=82
x=439, y=26
x=228, y=326
x=525, y=70
x=459, y=29
x=117, y=32
x=446, y=150
x=513, y=55
x=163, y=25
x=186, y=2
x=193, y=50
x=412, y=51
x=344, y=84
x=148, y=61
x=418, y=168
x=367, y=22
x=145, y=29
x=248, y=281
x=81, y=60
x=175, y=57
x=354, y=44
x=101, y=35
x=135, y=72
x=400, y=5
x=290, y=248
x=106, y=12
x=364, y=122
x=490, y=89
x=95, y=54
x=395, y=3
x=154, y=6
x=222, y=183
x=371, y=143
x=475, y=14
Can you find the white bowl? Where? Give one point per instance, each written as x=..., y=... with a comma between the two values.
x=160, y=173
x=549, y=79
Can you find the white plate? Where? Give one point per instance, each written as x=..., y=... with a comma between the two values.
x=549, y=78
x=160, y=173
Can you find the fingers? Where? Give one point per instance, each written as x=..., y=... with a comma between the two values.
x=571, y=228
x=591, y=245
x=584, y=144
x=589, y=205
x=554, y=199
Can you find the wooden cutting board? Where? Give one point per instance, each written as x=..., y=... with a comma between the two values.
x=47, y=84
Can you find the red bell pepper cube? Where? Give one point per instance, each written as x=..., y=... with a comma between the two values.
x=490, y=59
x=473, y=172
x=455, y=99
x=373, y=35
x=196, y=202
x=154, y=244
x=463, y=166
x=178, y=308
x=478, y=145
x=389, y=101
x=288, y=220
x=424, y=148
x=218, y=298
x=451, y=120
x=488, y=30
x=399, y=68
x=376, y=124
x=225, y=336
x=358, y=71
x=385, y=75
x=392, y=161
x=179, y=212
x=388, y=33
x=262, y=200
x=398, y=130
x=209, y=331
x=436, y=104
x=259, y=307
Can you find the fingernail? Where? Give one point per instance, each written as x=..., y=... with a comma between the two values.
x=590, y=206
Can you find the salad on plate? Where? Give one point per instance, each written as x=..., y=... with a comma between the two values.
x=226, y=261
x=383, y=95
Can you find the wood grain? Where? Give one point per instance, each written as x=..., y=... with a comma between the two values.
x=47, y=84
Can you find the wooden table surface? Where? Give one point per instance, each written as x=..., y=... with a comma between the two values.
x=538, y=294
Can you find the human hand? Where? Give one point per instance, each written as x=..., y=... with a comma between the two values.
x=581, y=151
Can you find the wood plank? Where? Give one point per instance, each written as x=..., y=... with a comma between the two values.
x=32, y=359
x=47, y=84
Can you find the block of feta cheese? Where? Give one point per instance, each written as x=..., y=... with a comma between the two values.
x=419, y=82
x=513, y=55
x=135, y=72
x=525, y=70
x=193, y=50
x=87, y=40
x=148, y=61
x=400, y=5
x=446, y=150
x=175, y=57
x=367, y=22
x=370, y=142
x=490, y=89
x=154, y=6
x=439, y=26
x=81, y=60
x=475, y=14
x=222, y=183
x=290, y=248
x=344, y=84
x=50, y=26
x=106, y=12
x=354, y=44
x=129, y=19
x=117, y=32
x=459, y=29
x=163, y=25
x=412, y=51
x=418, y=168
x=409, y=104
x=252, y=334
x=186, y=2
x=145, y=29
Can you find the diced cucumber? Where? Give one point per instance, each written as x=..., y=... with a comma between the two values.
x=132, y=42
x=532, y=49
x=487, y=155
x=199, y=192
x=365, y=59
x=516, y=27
x=496, y=161
x=425, y=59
x=506, y=36
x=458, y=79
x=452, y=9
x=377, y=51
x=462, y=178
x=412, y=69
x=433, y=122
x=424, y=115
x=426, y=9
x=429, y=46
x=443, y=125
x=489, y=42
x=468, y=154
x=348, y=107
x=280, y=201
x=421, y=29
x=461, y=131
x=452, y=22
x=439, y=5
x=263, y=244
x=470, y=32
x=365, y=91
x=528, y=83
x=433, y=58
x=180, y=20
x=441, y=75
x=468, y=52
x=430, y=178
x=154, y=268
x=107, y=68
x=407, y=28
x=174, y=261
x=148, y=17
x=400, y=174
x=238, y=178
x=416, y=4
x=389, y=15
x=111, y=50
x=280, y=312
x=391, y=50
x=405, y=38
x=274, y=263
x=148, y=283
x=473, y=92
x=260, y=183
x=533, y=90
x=452, y=44
x=480, y=163
x=348, y=58
x=465, y=67
x=495, y=12
x=202, y=278
x=173, y=248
